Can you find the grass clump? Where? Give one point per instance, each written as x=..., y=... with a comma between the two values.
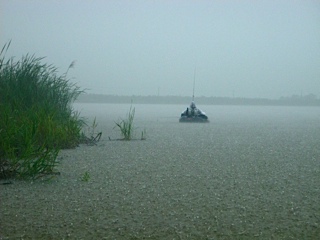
x=90, y=131
x=36, y=117
x=85, y=177
x=126, y=125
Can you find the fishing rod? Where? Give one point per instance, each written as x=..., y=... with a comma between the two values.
x=194, y=82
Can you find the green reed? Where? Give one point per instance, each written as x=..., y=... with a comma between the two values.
x=85, y=177
x=36, y=116
x=126, y=125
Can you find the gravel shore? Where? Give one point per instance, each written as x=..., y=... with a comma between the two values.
x=248, y=176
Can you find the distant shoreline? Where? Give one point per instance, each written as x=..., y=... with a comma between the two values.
x=294, y=100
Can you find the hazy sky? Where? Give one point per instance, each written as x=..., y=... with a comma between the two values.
x=241, y=48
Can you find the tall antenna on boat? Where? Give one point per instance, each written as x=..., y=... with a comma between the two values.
x=194, y=82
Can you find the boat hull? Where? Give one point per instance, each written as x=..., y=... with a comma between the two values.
x=196, y=119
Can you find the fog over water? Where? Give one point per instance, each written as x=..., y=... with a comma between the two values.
x=249, y=49
x=151, y=115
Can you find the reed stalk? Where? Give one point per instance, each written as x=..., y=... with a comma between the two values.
x=126, y=125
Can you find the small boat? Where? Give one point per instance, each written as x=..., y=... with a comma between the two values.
x=193, y=114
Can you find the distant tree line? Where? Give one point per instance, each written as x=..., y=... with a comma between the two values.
x=294, y=100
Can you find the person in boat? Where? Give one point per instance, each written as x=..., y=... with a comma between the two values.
x=192, y=110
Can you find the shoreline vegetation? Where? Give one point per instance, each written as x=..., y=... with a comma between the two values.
x=294, y=100
x=36, y=116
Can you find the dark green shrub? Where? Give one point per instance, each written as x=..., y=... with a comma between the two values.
x=36, y=116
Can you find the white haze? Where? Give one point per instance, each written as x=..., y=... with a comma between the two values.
x=239, y=48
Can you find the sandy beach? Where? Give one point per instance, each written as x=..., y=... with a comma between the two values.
x=251, y=173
